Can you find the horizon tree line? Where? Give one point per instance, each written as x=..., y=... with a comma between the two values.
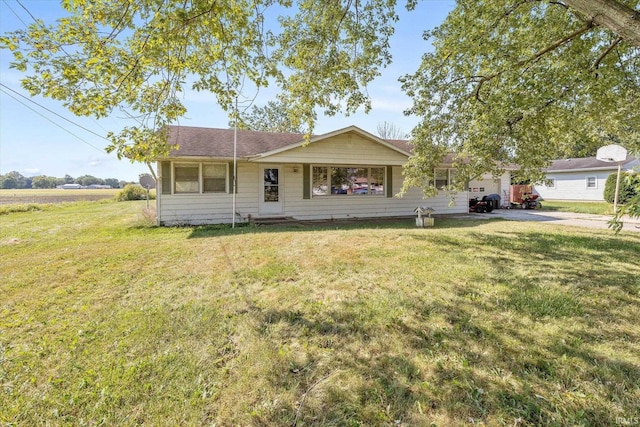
x=15, y=180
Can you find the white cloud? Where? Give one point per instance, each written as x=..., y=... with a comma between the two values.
x=32, y=171
x=390, y=104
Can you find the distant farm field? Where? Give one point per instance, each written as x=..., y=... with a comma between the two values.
x=54, y=195
x=106, y=319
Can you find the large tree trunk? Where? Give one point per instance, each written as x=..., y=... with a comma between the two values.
x=611, y=14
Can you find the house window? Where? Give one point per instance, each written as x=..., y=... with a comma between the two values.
x=195, y=178
x=452, y=176
x=550, y=183
x=592, y=182
x=214, y=178
x=377, y=181
x=441, y=177
x=186, y=178
x=445, y=177
x=271, y=185
x=320, y=183
x=353, y=181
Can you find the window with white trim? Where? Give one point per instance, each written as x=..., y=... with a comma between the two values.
x=444, y=177
x=214, y=178
x=196, y=178
x=550, y=183
x=186, y=178
x=592, y=182
x=348, y=180
x=441, y=178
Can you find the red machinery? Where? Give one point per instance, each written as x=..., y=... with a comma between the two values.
x=530, y=201
x=521, y=196
x=479, y=205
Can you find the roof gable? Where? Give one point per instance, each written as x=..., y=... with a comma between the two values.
x=401, y=147
x=218, y=143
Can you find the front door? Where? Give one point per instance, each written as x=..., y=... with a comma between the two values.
x=271, y=191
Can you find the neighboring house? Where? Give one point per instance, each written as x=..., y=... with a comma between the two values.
x=580, y=179
x=348, y=173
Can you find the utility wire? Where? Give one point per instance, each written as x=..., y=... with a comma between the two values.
x=48, y=119
x=61, y=48
x=26, y=10
x=14, y=12
x=51, y=111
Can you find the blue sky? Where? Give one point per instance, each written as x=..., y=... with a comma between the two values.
x=35, y=140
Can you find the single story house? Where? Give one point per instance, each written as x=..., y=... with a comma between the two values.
x=580, y=178
x=347, y=173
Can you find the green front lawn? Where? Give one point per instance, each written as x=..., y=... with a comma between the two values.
x=595, y=208
x=108, y=320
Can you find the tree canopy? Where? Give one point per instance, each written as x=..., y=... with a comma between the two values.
x=139, y=55
x=272, y=117
x=522, y=82
x=508, y=82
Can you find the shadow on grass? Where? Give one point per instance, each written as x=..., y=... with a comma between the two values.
x=464, y=370
x=207, y=231
x=553, y=208
x=513, y=346
x=511, y=343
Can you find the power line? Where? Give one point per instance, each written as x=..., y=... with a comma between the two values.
x=52, y=112
x=48, y=119
x=28, y=99
x=27, y=10
x=42, y=26
x=14, y=12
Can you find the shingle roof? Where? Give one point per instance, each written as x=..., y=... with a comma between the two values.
x=584, y=163
x=211, y=142
x=401, y=144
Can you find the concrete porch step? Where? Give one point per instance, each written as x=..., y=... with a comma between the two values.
x=273, y=220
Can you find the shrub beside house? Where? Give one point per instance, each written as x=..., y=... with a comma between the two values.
x=628, y=184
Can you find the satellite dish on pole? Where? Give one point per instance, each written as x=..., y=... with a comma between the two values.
x=147, y=181
x=611, y=153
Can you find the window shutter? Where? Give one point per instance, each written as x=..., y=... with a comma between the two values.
x=389, y=182
x=306, y=181
x=165, y=168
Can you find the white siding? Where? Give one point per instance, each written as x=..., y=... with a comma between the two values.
x=573, y=186
x=344, y=207
x=491, y=185
x=217, y=208
x=213, y=208
x=487, y=183
x=344, y=149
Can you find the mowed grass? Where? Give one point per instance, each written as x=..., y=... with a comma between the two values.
x=595, y=208
x=108, y=320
